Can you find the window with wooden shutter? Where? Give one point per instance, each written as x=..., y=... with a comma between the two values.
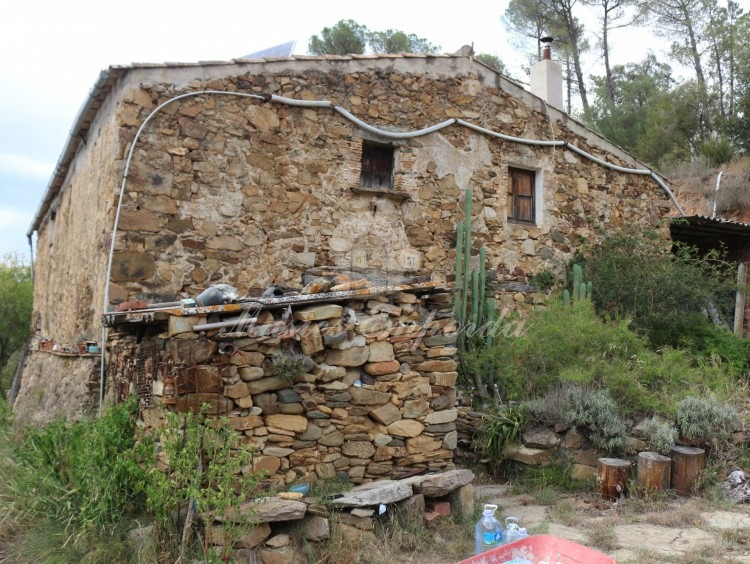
x=377, y=167
x=521, y=204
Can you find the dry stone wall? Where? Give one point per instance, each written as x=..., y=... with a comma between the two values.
x=378, y=400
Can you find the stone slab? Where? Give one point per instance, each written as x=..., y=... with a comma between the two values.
x=375, y=493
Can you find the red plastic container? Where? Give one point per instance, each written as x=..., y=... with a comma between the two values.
x=542, y=549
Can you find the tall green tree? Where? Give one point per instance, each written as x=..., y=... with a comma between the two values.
x=529, y=20
x=344, y=38
x=685, y=22
x=347, y=37
x=622, y=117
x=15, y=306
x=570, y=29
x=612, y=15
x=395, y=41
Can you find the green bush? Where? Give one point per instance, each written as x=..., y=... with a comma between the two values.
x=559, y=339
x=706, y=419
x=500, y=428
x=208, y=467
x=717, y=151
x=81, y=473
x=592, y=410
x=572, y=345
x=660, y=435
x=664, y=295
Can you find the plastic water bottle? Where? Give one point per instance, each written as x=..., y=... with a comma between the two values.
x=488, y=533
x=522, y=533
x=511, y=529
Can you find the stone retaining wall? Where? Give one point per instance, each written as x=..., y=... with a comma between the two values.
x=377, y=402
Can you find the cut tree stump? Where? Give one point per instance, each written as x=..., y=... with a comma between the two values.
x=687, y=464
x=612, y=478
x=654, y=471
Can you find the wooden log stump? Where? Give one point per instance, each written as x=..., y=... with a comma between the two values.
x=687, y=464
x=612, y=478
x=654, y=471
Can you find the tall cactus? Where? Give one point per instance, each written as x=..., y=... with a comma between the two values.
x=472, y=306
x=581, y=289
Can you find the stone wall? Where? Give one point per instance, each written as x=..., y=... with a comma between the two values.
x=229, y=189
x=221, y=182
x=377, y=402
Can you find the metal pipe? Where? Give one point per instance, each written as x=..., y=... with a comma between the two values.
x=31, y=253
x=227, y=348
x=239, y=322
x=716, y=193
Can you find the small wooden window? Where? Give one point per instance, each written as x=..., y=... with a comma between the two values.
x=377, y=167
x=521, y=204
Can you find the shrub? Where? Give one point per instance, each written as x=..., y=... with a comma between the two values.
x=290, y=365
x=208, y=466
x=82, y=473
x=706, y=419
x=660, y=435
x=560, y=339
x=717, y=150
x=500, y=428
x=578, y=406
x=664, y=294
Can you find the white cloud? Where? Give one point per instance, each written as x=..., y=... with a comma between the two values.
x=23, y=166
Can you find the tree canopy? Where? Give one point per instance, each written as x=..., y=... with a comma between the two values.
x=347, y=37
x=664, y=117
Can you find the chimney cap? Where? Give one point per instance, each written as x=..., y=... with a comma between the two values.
x=547, y=39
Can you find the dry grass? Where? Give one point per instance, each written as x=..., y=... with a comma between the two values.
x=564, y=512
x=698, y=179
x=686, y=515
x=736, y=538
x=601, y=535
x=392, y=540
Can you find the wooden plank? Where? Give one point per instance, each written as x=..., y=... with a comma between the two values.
x=739, y=306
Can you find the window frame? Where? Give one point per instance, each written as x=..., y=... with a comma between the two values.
x=377, y=154
x=513, y=197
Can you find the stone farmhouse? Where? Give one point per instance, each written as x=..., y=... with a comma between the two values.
x=252, y=173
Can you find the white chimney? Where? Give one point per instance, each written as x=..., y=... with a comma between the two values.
x=546, y=78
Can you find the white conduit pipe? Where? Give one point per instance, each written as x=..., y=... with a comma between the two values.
x=393, y=134
x=302, y=103
x=367, y=127
x=504, y=137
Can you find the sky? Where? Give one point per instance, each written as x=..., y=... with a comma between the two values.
x=51, y=53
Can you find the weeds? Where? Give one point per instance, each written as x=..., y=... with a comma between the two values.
x=601, y=535
x=686, y=515
x=499, y=429
x=563, y=512
x=290, y=365
x=205, y=458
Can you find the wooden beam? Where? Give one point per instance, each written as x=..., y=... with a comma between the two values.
x=739, y=304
